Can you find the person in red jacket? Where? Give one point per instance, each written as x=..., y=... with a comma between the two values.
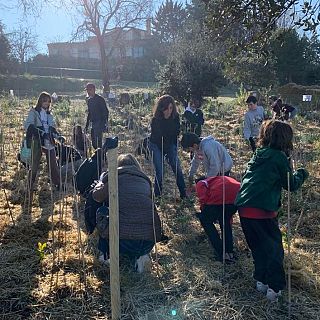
x=214, y=193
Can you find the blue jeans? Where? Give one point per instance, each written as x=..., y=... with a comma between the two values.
x=131, y=248
x=172, y=156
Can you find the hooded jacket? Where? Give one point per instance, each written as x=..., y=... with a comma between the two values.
x=135, y=204
x=215, y=157
x=266, y=175
x=217, y=190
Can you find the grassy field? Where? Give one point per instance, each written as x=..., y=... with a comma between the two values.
x=28, y=85
x=65, y=280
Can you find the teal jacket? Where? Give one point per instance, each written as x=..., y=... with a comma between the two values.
x=266, y=175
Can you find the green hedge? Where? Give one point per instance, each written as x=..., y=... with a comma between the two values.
x=29, y=84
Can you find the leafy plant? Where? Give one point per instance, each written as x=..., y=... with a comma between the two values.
x=41, y=250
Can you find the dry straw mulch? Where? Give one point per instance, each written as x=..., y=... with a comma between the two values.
x=186, y=282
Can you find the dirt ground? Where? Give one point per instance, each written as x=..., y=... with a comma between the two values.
x=65, y=280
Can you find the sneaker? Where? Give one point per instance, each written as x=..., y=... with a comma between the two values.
x=272, y=295
x=143, y=263
x=103, y=258
x=261, y=287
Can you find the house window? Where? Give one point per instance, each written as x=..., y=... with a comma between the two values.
x=83, y=53
x=137, y=52
x=129, y=52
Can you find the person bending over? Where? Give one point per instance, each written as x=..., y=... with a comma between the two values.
x=216, y=196
x=139, y=223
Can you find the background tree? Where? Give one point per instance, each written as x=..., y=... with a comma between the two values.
x=191, y=70
x=4, y=51
x=289, y=52
x=168, y=22
x=249, y=24
x=100, y=16
x=23, y=44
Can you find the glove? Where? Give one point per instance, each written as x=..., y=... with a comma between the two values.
x=304, y=173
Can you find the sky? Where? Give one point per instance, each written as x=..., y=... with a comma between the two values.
x=52, y=25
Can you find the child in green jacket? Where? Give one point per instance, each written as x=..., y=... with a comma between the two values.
x=259, y=199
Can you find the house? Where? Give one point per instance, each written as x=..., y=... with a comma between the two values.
x=119, y=44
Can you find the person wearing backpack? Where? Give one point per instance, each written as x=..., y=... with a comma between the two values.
x=40, y=137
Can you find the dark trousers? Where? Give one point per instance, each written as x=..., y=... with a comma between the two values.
x=211, y=213
x=53, y=169
x=131, y=248
x=96, y=137
x=265, y=241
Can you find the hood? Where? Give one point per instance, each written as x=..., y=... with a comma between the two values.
x=132, y=170
x=261, y=156
x=207, y=139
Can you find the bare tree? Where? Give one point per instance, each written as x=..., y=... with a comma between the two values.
x=23, y=43
x=101, y=16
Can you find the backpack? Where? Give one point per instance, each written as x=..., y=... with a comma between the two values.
x=90, y=213
x=25, y=154
x=88, y=172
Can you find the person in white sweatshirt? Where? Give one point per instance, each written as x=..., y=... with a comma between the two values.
x=253, y=119
x=214, y=156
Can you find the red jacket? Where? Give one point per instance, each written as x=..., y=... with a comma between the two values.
x=210, y=190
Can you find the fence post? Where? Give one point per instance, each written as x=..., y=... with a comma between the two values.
x=114, y=232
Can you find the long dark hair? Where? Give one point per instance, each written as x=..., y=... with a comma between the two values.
x=162, y=104
x=276, y=134
x=43, y=96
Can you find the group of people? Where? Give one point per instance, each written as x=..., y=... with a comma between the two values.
x=256, y=115
x=257, y=198
x=42, y=136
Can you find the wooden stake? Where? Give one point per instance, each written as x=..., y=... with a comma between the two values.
x=223, y=219
x=8, y=204
x=114, y=233
x=289, y=249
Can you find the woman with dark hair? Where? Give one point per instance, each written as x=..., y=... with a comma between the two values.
x=165, y=128
x=40, y=135
x=268, y=172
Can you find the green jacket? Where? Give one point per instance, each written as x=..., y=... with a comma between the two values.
x=266, y=175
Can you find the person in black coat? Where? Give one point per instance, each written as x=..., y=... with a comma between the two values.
x=98, y=115
x=165, y=128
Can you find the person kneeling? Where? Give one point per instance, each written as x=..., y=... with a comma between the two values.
x=139, y=223
x=216, y=196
